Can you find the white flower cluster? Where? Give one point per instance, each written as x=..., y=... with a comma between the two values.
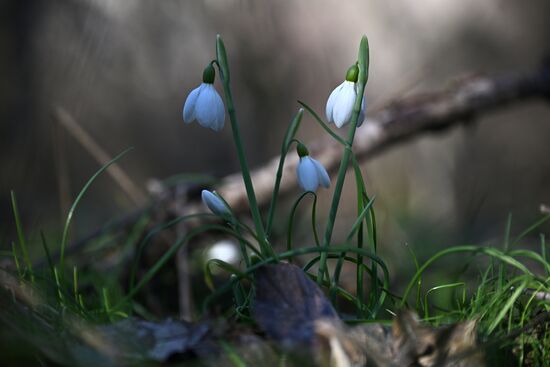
x=205, y=105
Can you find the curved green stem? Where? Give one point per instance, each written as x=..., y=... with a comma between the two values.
x=291, y=219
x=167, y=256
x=494, y=253
x=79, y=197
x=322, y=123
x=154, y=232
x=242, y=243
x=335, y=250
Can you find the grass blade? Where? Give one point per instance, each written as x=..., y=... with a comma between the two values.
x=79, y=197
x=21, y=236
x=209, y=276
x=16, y=260
x=48, y=254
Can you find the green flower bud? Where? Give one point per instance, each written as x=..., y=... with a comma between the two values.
x=352, y=74
x=209, y=74
x=302, y=150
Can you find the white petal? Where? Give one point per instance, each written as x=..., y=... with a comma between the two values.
x=307, y=174
x=343, y=106
x=225, y=250
x=189, y=105
x=322, y=175
x=209, y=110
x=214, y=203
x=330, y=102
x=362, y=113
x=219, y=110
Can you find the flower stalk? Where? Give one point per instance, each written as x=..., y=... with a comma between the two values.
x=221, y=56
x=363, y=64
x=289, y=138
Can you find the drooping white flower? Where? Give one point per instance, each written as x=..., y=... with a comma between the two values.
x=340, y=102
x=224, y=250
x=204, y=104
x=214, y=203
x=310, y=173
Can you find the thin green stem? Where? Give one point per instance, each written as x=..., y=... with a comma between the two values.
x=531, y=229
x=21, y=236
x=242, y=244
x=506, y=246
x=493, y=253
x=255, y=211
x=361, y=83
x=361, y=195
x=289, y=138
x=47, y=253
x=134, y=289
x=371, y=230
x=290, y=225
x=209, y=276
x=336, y=250
x=323, y=124
x=154, y=232
x=16, y=260
x=75, y=284
x=436, y=288
x=543, y=250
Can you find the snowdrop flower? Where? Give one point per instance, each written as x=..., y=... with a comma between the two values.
x=341, y=100
x=224, y=250
x=310, y=172
x=204, y=104
x=215, y=204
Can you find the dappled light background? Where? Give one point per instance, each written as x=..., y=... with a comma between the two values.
x=122, y=69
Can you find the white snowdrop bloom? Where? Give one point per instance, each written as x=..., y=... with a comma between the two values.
x=214, y=203
x=204, y=104
x=340, y=102
x=311, y=174
x=224, y=250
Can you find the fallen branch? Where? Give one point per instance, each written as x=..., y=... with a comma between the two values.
x=85, y=139
x=399, y=121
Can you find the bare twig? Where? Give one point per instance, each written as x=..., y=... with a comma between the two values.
x=538, y=295
x=401, y=120
x=62, y=170
x=86, y=140
x=182, y=263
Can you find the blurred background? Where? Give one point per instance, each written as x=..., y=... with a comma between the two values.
x=123, y=69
